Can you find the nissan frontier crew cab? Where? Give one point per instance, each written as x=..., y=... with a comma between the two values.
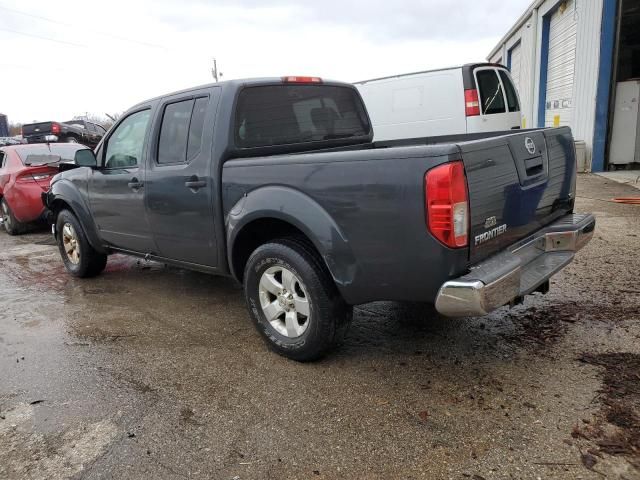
x=277, y=183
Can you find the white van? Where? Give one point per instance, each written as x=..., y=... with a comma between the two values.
x=472, y=98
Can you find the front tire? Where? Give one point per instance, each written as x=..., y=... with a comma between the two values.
x=9, y=222
x=79, y=257
x=293, y=301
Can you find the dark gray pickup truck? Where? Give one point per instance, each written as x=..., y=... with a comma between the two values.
x=277, y=183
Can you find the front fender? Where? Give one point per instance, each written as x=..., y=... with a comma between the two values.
x=304, y=213
x=65, y=191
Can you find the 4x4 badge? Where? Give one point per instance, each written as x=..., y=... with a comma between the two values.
x=490, y=222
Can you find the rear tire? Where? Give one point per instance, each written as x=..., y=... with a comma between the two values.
x=9, y=222
x=293, y=301
x=79, y=257
x=71, y=139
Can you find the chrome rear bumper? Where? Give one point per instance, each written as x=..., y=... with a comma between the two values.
x=520, y=270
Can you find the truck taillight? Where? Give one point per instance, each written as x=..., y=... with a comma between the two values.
x=471, y=103
x=296, y=79
x=447, y=204
x=55, y=128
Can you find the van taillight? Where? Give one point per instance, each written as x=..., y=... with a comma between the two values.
x=447, y=204
x=471, y=103
x=55, y=128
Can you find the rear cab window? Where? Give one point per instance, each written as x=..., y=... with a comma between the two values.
x=290, y=114
x=490, y=91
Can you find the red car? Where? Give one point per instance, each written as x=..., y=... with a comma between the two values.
x=25, y=172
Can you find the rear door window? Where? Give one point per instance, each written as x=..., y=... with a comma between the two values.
x=512, y=96
x=172, y=147
x=273, y=115
x=196, y=127
x=181, y=131
x=490, y=91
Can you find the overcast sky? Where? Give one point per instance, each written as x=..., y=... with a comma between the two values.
x=61, y=59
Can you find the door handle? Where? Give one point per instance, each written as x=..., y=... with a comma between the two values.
x=194, y=183
x=134, y=184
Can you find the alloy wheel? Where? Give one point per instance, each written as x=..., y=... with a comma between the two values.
x=71, y=244
x=6, y=217
x=284, y=301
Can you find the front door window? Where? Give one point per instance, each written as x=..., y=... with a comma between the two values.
x=124, y=147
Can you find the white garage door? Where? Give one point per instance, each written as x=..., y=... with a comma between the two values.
x=516, y=56
x=561, y=66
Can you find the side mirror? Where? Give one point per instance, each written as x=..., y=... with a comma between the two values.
x=85, y=158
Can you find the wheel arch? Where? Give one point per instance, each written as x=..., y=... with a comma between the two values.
x=270, y=213
x=66, y=197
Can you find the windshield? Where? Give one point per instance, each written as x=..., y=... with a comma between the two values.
x=289, y=114
x=42, y=154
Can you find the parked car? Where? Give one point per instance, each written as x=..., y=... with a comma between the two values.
x=72, y=131
x=276, y=183
x=473, y=98
x=25, y=173
x=9, y=141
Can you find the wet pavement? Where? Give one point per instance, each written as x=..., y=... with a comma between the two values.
x=153, y=372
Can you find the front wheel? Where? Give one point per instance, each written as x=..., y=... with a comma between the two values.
x=79, y=257
x=293, y=300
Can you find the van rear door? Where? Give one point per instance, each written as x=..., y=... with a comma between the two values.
x=498, y=106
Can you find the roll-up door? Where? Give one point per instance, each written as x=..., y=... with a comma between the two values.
x=514, y=65
x=561, y=65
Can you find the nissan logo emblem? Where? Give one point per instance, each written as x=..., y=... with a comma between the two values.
x=530, y=146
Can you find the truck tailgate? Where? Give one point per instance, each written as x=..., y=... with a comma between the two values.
x=36, y=128
x=517, y=184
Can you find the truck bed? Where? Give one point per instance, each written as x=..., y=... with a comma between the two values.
x=375, y=196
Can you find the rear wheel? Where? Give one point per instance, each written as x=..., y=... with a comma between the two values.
x=79, y=257
x=293, y=300
x=9, y=222
x=71, y=139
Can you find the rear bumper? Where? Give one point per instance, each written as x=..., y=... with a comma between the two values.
x=518, y=271
x=42, y=138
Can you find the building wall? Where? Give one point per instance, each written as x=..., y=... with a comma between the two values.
x=587, y=65
x=589, y=18
x=524, y=35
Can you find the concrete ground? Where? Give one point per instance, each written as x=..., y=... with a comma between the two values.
x=153, y=372
x=628, y=177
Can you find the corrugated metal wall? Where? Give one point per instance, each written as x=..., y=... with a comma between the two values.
x=561, y=66
x=521, y=45
x=515, y=63
x=584, y=40
x=587, y=66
